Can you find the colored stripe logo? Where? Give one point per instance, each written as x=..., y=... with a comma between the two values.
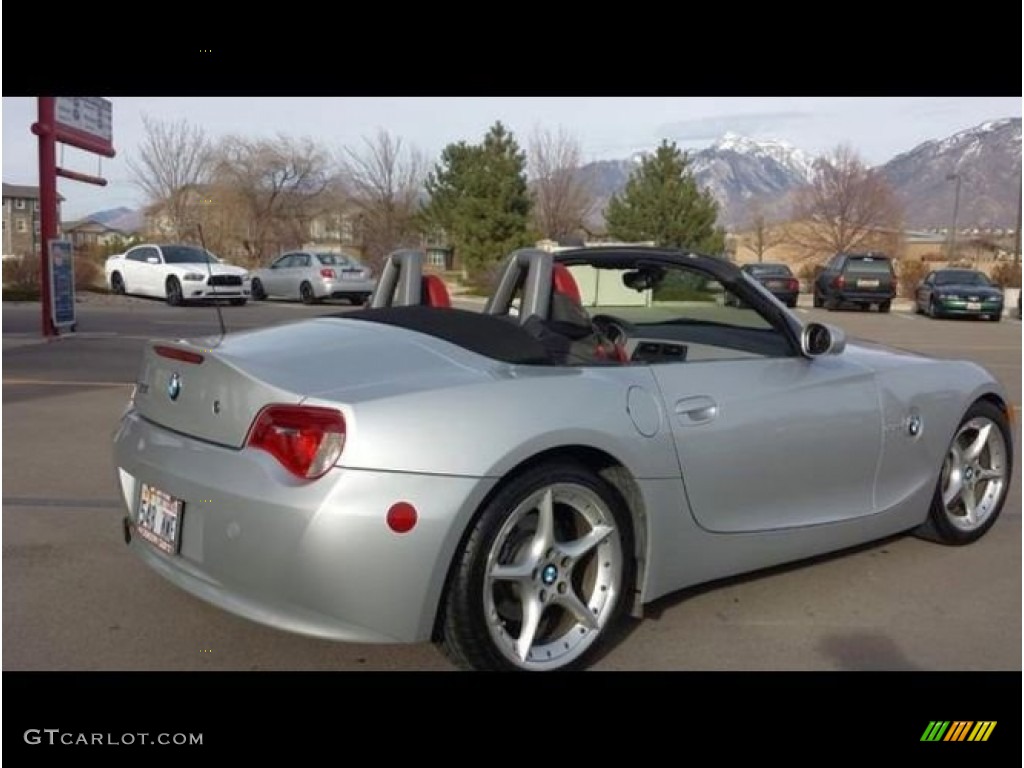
x=958, y=730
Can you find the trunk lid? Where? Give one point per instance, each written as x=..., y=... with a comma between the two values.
x=201, y=394
x=345, y=361
x=869, y=274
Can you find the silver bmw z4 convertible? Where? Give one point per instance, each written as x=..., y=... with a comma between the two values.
x=616, y=424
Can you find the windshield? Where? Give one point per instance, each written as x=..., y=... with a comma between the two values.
x=761, y=270
x=869, y=264
x=332, y=260
x=961, y=277
x=187, y=254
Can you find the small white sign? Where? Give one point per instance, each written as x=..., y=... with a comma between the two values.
x=89, y=114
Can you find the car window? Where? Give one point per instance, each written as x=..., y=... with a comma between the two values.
x=300, y=260
x=961, y=277
x=761, y=270
x=136, y=254
x=332, y=260
x=869, y=264
x=186, y=254
x=282, y=262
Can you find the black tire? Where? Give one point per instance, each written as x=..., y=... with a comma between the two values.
x=117, y=284
x=791, y=303
x=494, y=539
x=175, y=297
x=306, y=294
x=257, y=291
x=933, y=310
x=995, y=318
x=945, y=525
x=917, y=307
x=885, y=306
x=817, y=301
x=238, y=302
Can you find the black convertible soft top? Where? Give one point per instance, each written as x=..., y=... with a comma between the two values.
x=494, y=336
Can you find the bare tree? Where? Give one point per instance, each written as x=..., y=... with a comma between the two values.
x=562, y=199
x=846, y=206
x=173, y=161
x=276, y=184
x=762, y=234
x=384, y=179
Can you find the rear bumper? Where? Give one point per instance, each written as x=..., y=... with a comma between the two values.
x=786, y=297
x=315, y=558
x=341, y=289
x=860, y=297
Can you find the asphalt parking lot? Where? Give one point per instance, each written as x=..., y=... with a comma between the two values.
x=74, y=598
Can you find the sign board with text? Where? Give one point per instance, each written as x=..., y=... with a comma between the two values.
x=62, y=284
x=88, y=118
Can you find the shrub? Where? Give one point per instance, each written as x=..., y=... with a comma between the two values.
x=909, y=274
x=810, y=270
x=87, y=273
x=1006, y=275
x=21, y=274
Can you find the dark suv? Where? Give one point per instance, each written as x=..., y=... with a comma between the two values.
x=856, y=278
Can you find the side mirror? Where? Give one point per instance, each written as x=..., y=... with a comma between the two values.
x=153, y=259
x=819, y=339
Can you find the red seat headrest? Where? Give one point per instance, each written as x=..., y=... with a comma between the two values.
x=434, y=293
x=564, y=283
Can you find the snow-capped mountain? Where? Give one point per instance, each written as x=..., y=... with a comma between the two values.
x=741, y=171
x=986, y=158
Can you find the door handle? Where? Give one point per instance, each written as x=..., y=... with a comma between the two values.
x=696, y=410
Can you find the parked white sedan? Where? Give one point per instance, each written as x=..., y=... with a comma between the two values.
x=177, y=273
x=312, y=276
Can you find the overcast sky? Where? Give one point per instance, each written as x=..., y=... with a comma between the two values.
x=878, y=128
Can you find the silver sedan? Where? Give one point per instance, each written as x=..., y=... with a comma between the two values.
x=312, y=276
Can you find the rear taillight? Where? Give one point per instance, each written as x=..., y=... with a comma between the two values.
x=326, y=272
x=182, y=355
x=793, y=284
x=839, y=282
x=307, y=440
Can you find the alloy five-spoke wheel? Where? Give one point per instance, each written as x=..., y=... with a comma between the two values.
x=974, y=478
x=543, y=574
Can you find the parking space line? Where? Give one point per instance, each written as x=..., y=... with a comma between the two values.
x=55, y=383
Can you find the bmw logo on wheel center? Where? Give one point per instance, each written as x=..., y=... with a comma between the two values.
x=174, y=386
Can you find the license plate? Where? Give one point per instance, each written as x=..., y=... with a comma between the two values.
x=867, y=283
x=158, y=520
x=776, y=284
x=973, y=305
x=351, y=275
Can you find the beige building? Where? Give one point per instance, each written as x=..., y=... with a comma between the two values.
x=21, y=221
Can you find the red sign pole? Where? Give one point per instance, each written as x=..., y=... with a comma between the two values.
x=45, y=129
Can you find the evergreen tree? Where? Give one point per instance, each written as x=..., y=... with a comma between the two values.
x=662, y=202
x=479, y=197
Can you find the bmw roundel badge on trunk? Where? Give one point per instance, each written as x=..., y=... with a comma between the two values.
x=174, y=386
